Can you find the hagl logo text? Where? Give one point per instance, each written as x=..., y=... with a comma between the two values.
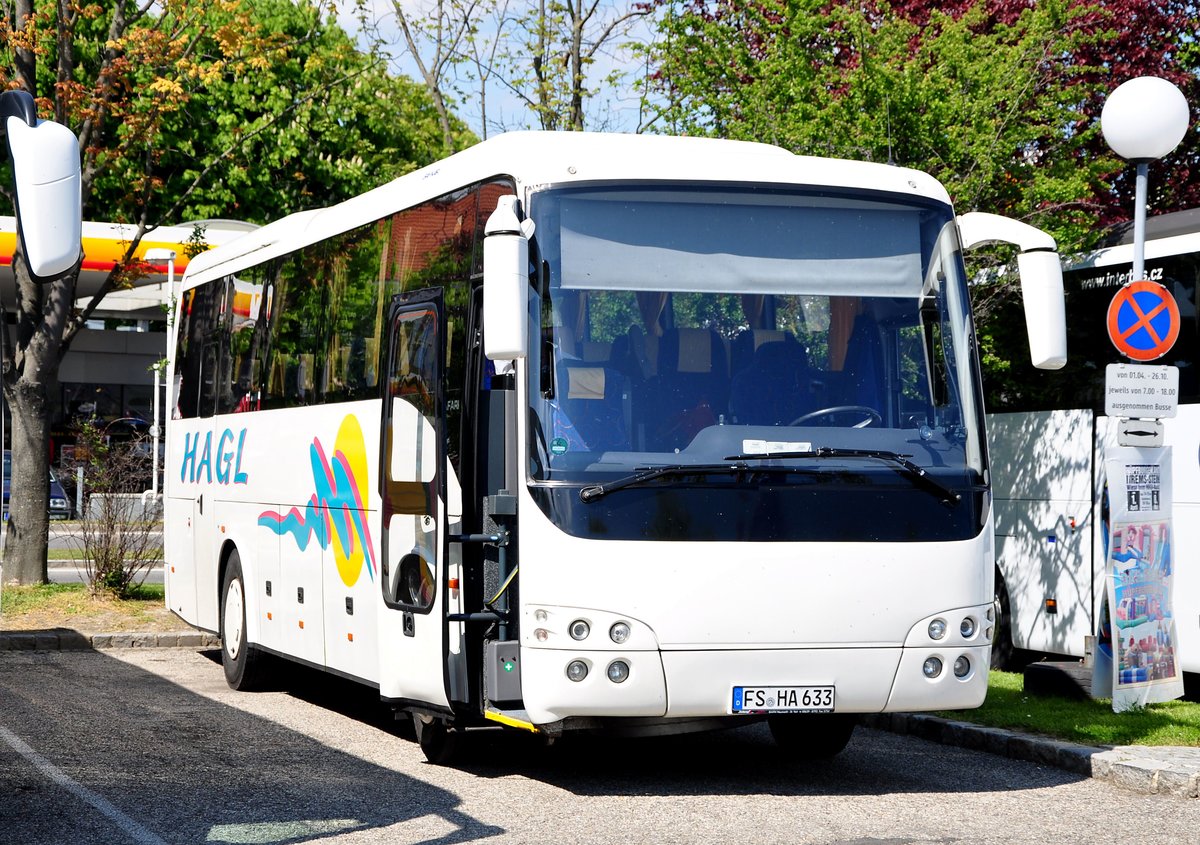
x=200, y=463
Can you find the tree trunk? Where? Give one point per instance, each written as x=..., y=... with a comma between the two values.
x=29, y=522
x=30, y=368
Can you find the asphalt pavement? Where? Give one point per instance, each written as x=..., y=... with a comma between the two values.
x=1161, y=770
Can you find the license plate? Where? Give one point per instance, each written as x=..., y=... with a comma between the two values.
x=772, y=699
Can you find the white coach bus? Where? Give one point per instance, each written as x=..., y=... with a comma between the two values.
x=575, y=431
x=1048, y=459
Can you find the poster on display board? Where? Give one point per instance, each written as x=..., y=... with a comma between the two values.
x=1136, y=660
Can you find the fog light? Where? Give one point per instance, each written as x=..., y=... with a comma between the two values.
x=541, y=634
x=619, y=632
x=618, y=671
x=577, y=670
x=579, y=629
x=967, y=628
x=937, y=629
x=962, y=666
x=932, y=667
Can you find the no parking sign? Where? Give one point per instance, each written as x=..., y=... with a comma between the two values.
x=1143, y=321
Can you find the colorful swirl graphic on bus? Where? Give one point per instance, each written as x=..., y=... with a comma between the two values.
x=337, y=511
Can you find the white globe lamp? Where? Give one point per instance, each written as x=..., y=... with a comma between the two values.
x=1143, y=120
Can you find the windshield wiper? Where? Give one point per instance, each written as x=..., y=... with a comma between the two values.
x=914, y=471
x=644, y=474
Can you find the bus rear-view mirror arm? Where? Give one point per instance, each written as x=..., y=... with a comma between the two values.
x=506, y=281
x=1041, y=281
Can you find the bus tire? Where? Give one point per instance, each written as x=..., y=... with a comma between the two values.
x=439, y=742
x=812, y=736
x=1002, y=644
x=241, y=660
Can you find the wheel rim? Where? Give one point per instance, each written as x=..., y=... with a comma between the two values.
x=234, y=605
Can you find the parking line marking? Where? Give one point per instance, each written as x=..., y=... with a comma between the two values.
x=135, y=830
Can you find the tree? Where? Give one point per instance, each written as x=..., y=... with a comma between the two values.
x=545, y=53
x=998, y=99
x=183, y=108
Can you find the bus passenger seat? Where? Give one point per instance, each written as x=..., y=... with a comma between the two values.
x=775, y=388
x=691, y=390
x=592, y=408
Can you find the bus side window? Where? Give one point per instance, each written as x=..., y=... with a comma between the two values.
x=198, y=353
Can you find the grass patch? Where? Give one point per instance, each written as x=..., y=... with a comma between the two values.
x=1087, y=722
x=77, y=554
x=49, y=606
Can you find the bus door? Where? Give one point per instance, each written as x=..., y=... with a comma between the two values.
x=412, y=643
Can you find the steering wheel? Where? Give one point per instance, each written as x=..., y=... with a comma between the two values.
x=870, y=415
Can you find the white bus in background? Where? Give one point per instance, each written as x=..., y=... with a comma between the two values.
x=1048, y=459
x=575, y=431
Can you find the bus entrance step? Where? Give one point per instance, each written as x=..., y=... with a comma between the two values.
x=1068, y=679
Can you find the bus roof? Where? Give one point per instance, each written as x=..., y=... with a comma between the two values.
x=1170, y=225
x=537, y=159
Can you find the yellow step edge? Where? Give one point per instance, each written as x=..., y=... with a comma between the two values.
x=510, y=721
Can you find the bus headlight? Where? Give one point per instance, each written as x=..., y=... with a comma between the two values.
x=967, y=628
x=577, y=670
x=579, y=629
x=962, y=666
x=932, y=667
x=619, y=632
x=937, y=629
x=618, y=671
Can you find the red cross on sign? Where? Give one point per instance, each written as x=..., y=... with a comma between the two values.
x=1143, y=321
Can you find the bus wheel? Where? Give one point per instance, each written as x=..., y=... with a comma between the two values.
x=1002, y=644
x=240, y=659
x=439, y=742
x=812, y=736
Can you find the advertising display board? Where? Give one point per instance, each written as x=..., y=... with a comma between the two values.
x=1136, y=639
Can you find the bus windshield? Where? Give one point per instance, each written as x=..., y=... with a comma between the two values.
x=692, y=325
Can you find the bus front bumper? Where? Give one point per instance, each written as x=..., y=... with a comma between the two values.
x=701, y=683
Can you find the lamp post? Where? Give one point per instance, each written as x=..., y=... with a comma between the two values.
x=1143, y=120
x=160, y=255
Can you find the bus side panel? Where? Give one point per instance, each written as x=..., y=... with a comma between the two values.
x=191, y=551
x=1183, y=435
x=1042, y=488
x=351, y=614
x=180, y=575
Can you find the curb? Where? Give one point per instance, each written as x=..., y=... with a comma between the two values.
x=1147, y=769
x=64, y=639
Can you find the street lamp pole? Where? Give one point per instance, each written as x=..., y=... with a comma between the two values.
x=160, y=255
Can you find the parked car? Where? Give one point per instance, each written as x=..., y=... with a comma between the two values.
x=59, y=505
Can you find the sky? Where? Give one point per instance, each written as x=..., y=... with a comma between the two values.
x=610, y=109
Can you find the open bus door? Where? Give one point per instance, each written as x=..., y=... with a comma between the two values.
x=413, y=480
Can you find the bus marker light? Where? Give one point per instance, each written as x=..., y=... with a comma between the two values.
x=937, y=629
x=541, y=615
x=350, y=636
x=618, y=671
x=301, y=623
x=967, y=628
x=962, y=666
x=541, y=634
x=268, y=616
x=580, y=629
x=932, y=667
x=619, y=632
x=577, y=670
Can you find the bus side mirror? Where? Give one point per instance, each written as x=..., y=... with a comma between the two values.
x=506, y=282
x=1045, y=311
x=46, y=176
x=1041, y=281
